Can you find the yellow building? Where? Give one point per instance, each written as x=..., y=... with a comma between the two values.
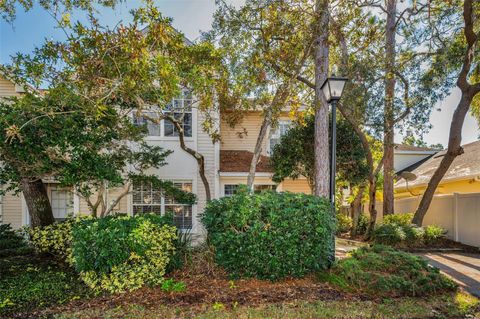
x=462, y=177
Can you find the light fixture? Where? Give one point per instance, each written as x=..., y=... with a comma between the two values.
x=333, y=88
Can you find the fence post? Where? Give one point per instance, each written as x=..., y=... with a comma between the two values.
x=455, y=216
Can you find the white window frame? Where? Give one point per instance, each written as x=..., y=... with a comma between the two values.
x=225, y=190
x=181, y=109
x=70, y=210
x=277, y=133
x=164, y=204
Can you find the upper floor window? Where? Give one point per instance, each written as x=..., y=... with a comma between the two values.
x=180, y=108
x=275, y=135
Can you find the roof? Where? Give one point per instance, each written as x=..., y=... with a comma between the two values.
x=412, y=148
x=239, y=162
x=464, y=166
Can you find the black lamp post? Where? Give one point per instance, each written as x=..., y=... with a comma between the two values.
x=333, y=89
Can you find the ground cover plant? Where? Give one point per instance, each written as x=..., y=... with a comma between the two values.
x=386, y=272
x=270, y=235
x=30, y=282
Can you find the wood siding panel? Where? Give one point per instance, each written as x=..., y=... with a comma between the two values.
x=7, y=88
x=12, y=210
x=296, y=186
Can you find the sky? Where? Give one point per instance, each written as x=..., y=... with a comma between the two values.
x=190, y=17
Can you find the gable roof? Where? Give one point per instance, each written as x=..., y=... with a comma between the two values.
x=412, y=148
x=464, y=166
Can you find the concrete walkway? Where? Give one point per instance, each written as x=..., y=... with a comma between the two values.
x=462, y=267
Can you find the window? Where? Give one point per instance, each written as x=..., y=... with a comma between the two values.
x=182, y=214
x=62, y=203
x=260, y=188
x=154, y=129
x=182, y=110
x=147, y=199
x=229, y=190
x=275, y=135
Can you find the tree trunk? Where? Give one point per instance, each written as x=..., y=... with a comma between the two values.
x=454, y=149
x=388, y=137
x=322, y=169
x=196, y=155
x=38, y=203
x=356, y=207
x=267, y=121
x=372, y=194
x=468, y=93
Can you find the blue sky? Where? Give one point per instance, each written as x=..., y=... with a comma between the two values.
x=189, y=16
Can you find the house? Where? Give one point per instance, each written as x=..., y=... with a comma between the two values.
x=462, y=177
x=408, y=155
x=226, y=164
x=456, y=203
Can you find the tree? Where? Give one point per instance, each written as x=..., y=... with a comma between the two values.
x=294, y=156
x=255, y=39
x=461, y=55
x=96, y=79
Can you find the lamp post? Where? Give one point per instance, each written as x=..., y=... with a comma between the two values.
x=333, y=89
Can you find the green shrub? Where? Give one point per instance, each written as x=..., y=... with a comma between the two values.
x=55, y=239
x=433, y=233
x=386, y=272
x=344, y=223
x=11, y=242
x=398, y=219
x=363, y=222
x=123, y=253
x=270, y=235
x=389, y=234
x=397, y=231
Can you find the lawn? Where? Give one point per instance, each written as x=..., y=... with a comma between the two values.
x=447, y=306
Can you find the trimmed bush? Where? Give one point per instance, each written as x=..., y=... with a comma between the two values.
x=270, y=235
x=122, y=253
x=386, y=272
x=12, y=243
x=363, y=222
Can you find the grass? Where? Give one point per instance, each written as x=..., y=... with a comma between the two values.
x=29, y=282
x=456, y=305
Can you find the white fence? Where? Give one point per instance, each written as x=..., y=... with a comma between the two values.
x=459, y=214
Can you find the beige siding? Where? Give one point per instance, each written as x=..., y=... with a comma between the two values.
x=12, y=210
x=7, y=88
x=244, y=135
x=296, y=186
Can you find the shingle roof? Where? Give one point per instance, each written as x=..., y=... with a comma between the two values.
x=404, y=147
x=239, y=162
x=466, y=165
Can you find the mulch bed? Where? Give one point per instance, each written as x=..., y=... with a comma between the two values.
x=202, y=290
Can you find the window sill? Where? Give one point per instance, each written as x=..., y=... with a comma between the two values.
x=167, y=138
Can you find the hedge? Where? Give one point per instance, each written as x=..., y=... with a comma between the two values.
x=270, y=235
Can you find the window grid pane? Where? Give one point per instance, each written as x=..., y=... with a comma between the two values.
x=149, y=200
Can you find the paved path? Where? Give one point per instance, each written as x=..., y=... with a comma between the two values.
x=462, y=267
